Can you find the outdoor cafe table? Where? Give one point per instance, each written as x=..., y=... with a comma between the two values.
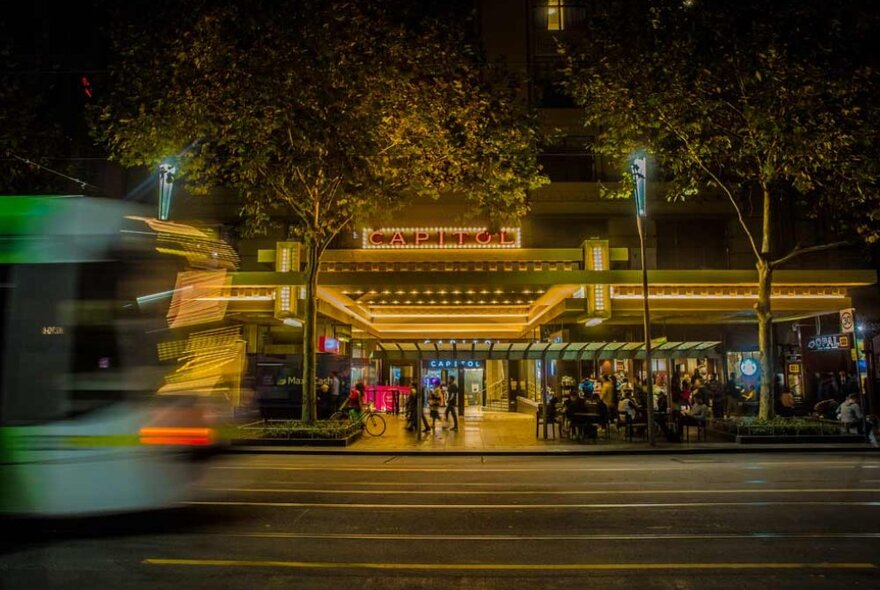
x=589, y=418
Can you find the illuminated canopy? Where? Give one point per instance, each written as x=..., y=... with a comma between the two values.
x=412, y=351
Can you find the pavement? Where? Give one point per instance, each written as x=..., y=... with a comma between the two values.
x=786, y=522
x=509, y=433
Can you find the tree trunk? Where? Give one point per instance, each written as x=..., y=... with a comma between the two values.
x=764, y=311
x=765, y=338
x=310, y=334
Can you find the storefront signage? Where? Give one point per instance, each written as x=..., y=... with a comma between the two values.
x=326, y=344
x=830, y=342
x=848, y=319
x=458, y=364
x=749, y=367
x=402, y=238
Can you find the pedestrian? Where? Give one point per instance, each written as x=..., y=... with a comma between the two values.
x=356, y=400
x=607, y=391
x=850, y=413
x=412, y=411
x=451, y=401
x=334, y=391
x=435, y=400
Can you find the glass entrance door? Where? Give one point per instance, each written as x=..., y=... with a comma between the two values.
x=471, y=384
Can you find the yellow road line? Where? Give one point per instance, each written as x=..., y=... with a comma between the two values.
x=508, y=566
x=587, y=537
x=528, y=506
x=558, y=470
x=618, y=486
x=544, y=492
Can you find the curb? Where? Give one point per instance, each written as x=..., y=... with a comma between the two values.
x=728, y=450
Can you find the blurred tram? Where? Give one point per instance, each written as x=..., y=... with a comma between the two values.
x=85, y=291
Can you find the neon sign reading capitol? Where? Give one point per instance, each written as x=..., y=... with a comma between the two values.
x=440, y=237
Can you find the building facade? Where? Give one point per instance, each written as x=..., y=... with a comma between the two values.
x=433, y=292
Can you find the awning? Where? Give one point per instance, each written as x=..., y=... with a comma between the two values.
x=567, y=351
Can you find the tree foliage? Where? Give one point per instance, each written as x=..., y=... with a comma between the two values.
x=771, y=103
x=320, y=112
x=31, y=130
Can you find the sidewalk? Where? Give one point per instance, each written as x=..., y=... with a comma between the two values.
x=514, y=434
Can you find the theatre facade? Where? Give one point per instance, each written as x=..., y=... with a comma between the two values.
x=513, y=311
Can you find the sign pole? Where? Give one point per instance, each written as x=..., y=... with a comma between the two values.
x=639, y=176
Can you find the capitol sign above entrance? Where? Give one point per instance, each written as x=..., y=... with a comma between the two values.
x=440, y=237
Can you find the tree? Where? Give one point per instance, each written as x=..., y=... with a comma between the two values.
x=767, y=104
x=321, y=111
x=33, y=142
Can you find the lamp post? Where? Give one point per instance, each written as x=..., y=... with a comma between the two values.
x=639, y=168
x=167, y=174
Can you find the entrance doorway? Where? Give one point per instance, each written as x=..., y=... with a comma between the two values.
x=469, y=375
x=401, y=375
x=471, y=386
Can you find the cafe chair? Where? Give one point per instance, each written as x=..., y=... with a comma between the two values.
x=700, y=425
x=554, y=428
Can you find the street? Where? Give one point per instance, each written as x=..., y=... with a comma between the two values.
x=292, y=521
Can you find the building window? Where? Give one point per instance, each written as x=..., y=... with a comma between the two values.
x=555, y=15
x=570, y=160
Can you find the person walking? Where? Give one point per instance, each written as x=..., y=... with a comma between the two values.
x=451, y=402
x=435, y=400
x=412, y=412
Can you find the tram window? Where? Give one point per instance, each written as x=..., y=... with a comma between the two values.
x=5, y=287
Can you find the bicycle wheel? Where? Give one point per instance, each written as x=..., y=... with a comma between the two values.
x=374, y=424
x=339, y=416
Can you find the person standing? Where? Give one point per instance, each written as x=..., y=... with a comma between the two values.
x=451, y=401
x=607, y=391
x=334, y=391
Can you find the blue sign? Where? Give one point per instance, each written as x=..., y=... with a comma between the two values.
x=457, y=364
x=749, y=367
x=640, y=177
x=830, y=342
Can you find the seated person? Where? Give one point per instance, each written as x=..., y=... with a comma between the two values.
x=662, y=404
x=627, y=407
x=628, y=411
x=751, y=395
x=850, y=413
x=827, y=408
x=697, y=413
x=601, y=408
x=575, y=405
x=786, y=403
x=552, y=406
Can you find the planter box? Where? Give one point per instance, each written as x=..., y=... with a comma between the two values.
x=298, y=442
x=780, y=439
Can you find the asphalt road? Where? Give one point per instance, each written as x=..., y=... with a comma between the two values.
x=782, y=521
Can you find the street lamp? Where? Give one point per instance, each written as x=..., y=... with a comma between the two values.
x=167, y=174
x=639, y=169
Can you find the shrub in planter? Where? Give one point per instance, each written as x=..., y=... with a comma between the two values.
x=778, y=426
x=295, y=429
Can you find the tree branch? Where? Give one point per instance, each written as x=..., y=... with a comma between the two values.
x=334, y=232
x=718, y=181
x=798, y=251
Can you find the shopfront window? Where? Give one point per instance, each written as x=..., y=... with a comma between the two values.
x=746, y=367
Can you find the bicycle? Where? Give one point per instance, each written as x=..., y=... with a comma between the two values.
x=372, y=423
